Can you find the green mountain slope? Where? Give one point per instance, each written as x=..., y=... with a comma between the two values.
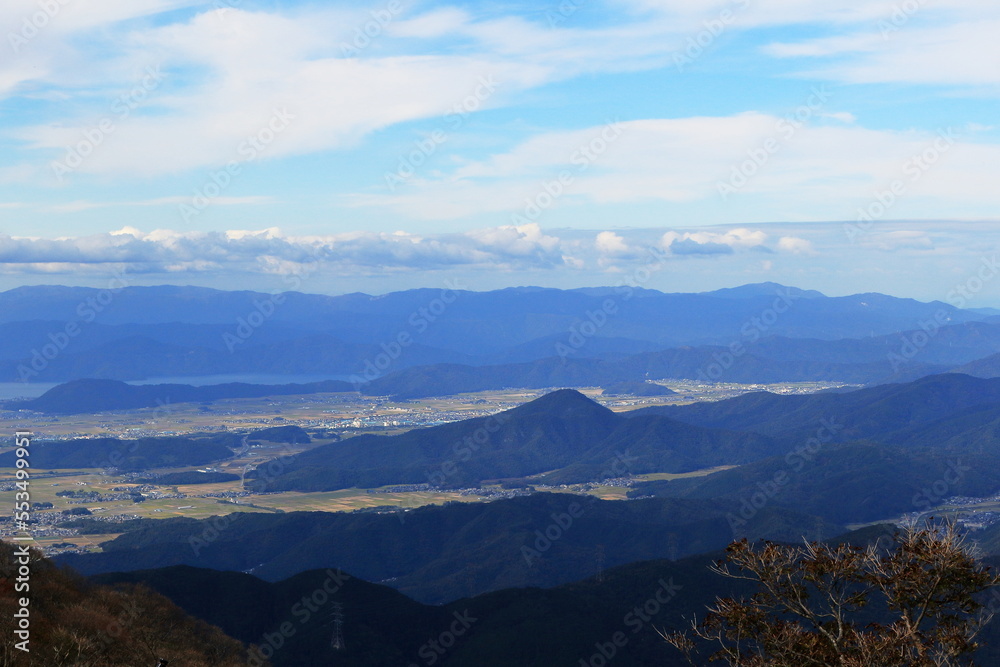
x=561, y=430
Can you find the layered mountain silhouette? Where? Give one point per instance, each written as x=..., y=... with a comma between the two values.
x=56, y=333
x=870, y=454
x=89, y=395
x=531, y=627
x=74, y=621
x=437, y=554
x=540, y=578
x=125, y=455
x=563, y=434
x=899, y=413
x=845, y=483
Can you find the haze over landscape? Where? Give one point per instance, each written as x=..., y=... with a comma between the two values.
x=469, y=334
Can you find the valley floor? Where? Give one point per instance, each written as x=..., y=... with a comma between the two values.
x=331, y=415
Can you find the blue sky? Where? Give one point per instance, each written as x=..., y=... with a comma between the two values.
x=401, y=143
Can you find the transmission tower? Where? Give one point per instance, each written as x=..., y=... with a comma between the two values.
x=337, y=643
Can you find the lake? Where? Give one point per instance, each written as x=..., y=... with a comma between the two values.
x=10, y=390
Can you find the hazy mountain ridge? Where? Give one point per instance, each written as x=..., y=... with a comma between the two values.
x=88, y=395
x=140, y=332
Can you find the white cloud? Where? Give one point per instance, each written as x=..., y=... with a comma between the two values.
x=432, y=24
x=43, y=39
x=228, y=71
x=713, y=243
x=269, y=250
x=899, y=239
x=796, y=245
x=226, y=74
x=609, y=243
x=843, y=13
x=842, y=116
x=83, y=205
x=817, y=167
x=940, y=52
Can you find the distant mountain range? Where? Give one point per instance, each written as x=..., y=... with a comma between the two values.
x=89, y=396
x=540, y=578
x=58, y=333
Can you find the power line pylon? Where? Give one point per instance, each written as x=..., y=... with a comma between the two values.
x=337, y=643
